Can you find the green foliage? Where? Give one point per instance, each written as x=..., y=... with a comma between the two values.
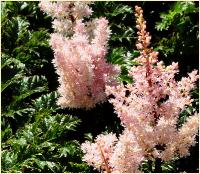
x=16, y=71
x=181, y=21
x=43, y=144
x=24, y=89
x=125, y=60
x=38, y=146
x=178, y=14
x=19, y=40
x=46, y=102
x=36, y=136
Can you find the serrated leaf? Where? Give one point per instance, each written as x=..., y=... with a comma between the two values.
x=59, y=124
x=121, y=9
x=46, y=102
x=12, y=81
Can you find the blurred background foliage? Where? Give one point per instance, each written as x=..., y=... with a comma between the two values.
x=39, y=136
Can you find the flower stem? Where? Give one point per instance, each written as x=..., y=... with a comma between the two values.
x=105, y=161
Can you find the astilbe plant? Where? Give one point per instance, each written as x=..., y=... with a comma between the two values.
x=79, y=54
x=149, y=110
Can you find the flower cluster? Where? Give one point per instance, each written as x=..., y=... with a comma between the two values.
x=149, y=110
x=98, y=153
x=65, y=14
x=113, y=155
x=79, y=54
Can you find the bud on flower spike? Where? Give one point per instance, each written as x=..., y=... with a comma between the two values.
x=149, y=113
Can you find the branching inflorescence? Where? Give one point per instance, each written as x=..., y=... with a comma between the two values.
x=149, y=110
x=79, y=48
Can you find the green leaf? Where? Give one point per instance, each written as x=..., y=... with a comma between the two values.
x=59, y=124
x=120, y=9
x=116, y=56
x=9, y=160
x=12, y=81
x=6, y=131
x=126, y=78
x=75, y=167
x=46, y=102
x=16, y=71
x=88, y=137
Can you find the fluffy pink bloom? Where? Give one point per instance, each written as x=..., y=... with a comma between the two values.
x=150, y=107
x=98, y=153
x=127, y=155
x=62, y=9
x=149, y=110
x=79, y=54
x=65, y=14
x=109, y=154
x=187, y=134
